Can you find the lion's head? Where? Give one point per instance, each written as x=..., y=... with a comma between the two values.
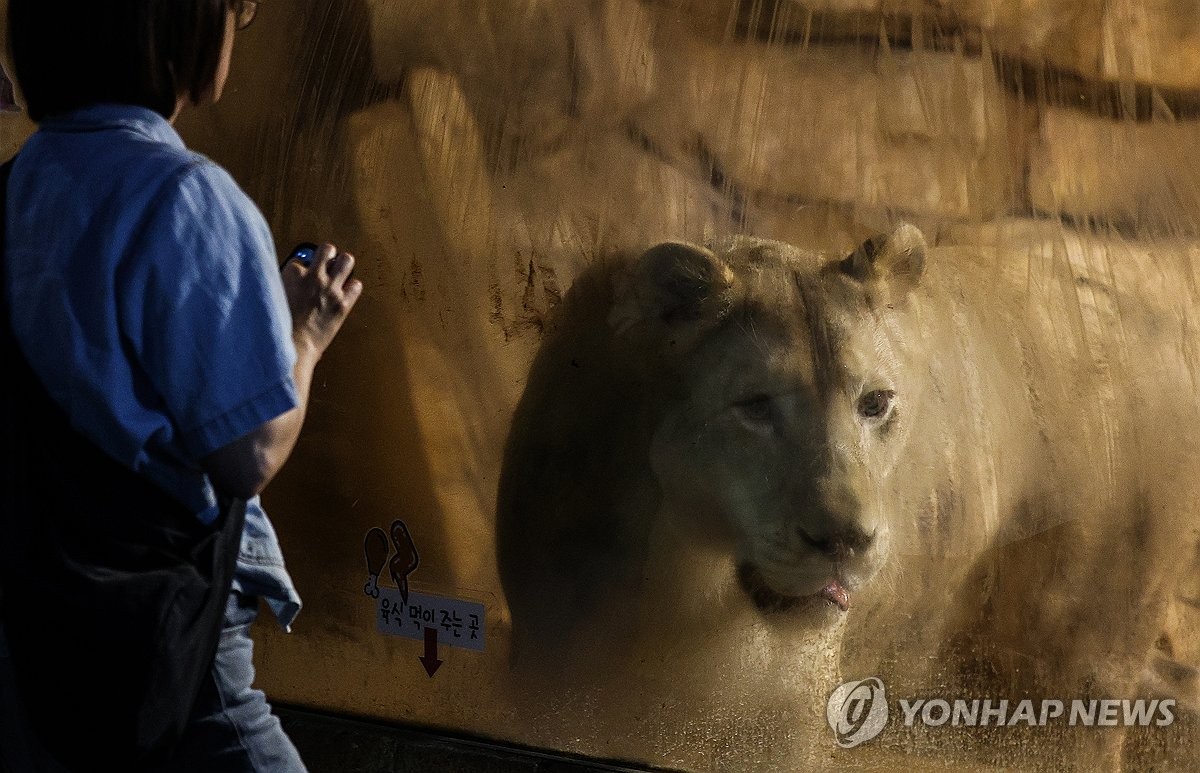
x=788, y=412
x=759, y=396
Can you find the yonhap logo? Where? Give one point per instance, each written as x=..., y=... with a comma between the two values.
x=857, y=711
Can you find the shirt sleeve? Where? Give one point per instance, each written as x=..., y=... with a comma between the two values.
x=203, y=308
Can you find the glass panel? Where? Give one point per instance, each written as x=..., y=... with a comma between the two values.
x=697, y=497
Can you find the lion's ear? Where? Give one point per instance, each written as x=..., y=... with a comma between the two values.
x=670, y=282
x=896, y=259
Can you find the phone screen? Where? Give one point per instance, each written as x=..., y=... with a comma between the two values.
x=303, y=252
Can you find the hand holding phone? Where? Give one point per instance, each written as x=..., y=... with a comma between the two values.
x=320, y=295
x=303, y=252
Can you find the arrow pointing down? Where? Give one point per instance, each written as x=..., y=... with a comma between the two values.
x=430, y=658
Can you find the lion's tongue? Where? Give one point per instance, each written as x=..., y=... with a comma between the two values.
x=836, y=593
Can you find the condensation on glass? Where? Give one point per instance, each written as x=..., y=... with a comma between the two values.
x=945, y=438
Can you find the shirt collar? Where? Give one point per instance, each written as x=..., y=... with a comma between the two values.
x=136, y=118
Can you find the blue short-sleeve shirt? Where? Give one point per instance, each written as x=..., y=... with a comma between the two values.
x=146, y=296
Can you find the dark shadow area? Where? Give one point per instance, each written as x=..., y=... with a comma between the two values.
x=330, y=744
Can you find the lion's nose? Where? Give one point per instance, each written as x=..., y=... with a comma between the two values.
x=841, y=544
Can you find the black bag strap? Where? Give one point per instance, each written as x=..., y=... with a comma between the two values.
x=10, y=450
x=5, y=173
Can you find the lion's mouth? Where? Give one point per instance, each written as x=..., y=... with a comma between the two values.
x=767, y=599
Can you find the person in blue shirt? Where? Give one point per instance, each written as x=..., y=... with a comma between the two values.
x=145, y=294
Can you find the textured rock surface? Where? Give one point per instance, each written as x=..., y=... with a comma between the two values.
x=921, y=133
x=1150, y=41
x=1140, y=176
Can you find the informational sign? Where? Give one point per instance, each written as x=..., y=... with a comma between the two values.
x=434, y=620
x=458, y=623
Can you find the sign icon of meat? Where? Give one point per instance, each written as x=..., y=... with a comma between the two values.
x=406, y=559
x=375, y=545
x=403, y=563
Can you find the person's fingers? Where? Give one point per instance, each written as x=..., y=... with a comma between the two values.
x=294, y=271
x=342, y=298
x=322, y=294
x=340, y=269
x=354, y=290
x=295, y=287
x=320, y=262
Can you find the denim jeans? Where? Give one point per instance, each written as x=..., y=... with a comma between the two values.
x=232, y=729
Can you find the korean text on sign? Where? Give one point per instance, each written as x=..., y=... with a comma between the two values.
x=459, y=623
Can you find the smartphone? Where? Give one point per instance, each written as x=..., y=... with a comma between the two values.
x=303, y=252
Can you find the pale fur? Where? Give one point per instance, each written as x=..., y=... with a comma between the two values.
x=1031, y=502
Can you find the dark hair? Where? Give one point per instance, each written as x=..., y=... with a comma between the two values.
x=69, y=54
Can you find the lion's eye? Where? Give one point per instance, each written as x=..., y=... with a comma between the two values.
x=875, y=404
x=757, y=409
